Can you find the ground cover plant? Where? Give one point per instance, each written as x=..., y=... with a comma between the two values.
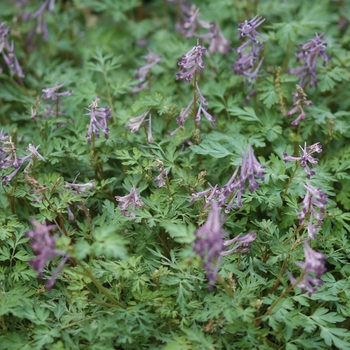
x=174, y=174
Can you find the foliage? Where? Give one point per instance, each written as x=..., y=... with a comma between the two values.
x=132, y=279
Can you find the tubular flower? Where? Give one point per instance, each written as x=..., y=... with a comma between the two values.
x=249, y=51
x=299, y=102
x=133, y=200
x=142, y=72
x=98, y=119
x=315, y=264
x=191, y=62
x=242, y=244
x=209, y=243
x=314, y=198
x=52, y=92
x=9, y=158
x=233, y=190
x=305, y=157
x=309, y=54
x=44, y=247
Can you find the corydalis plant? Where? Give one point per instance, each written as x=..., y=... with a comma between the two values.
x=142, y=74
x=305, y=157
x=136, y=122
x=209, y=243
x=9, y=158
x=8, y=53
x=133, y=200
x=44, y=247
x=308, y=55
x=299, y=103
x=249, y=51
x=314, y=199
x=233, y=190
x=314, y=264
x=98, y=120
x=190, y=64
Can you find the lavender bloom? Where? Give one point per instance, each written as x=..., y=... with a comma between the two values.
x=249, y=51
x=235, y=187
x=306, y=157
x=9, y=57
x=218, y=42
x=314, y=263
x=141, y=73
x=191, y=62
x=308, y=55
x=98, y=119
x=182, y=117
x=136, y=122
x=242, y=244
x=52, y=92
x=9, y=158
x=314, y=198
x=209, y=243
x=163, y=173
x=299, y=102
x=150, y=135
x=81, y=188
x=131, y=199
x=44, y=247
x=192, y=24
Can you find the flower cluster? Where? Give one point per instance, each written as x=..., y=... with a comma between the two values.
x=233, y=190
x=209, y=243
x=249, y=51
x=242, y=244
x=160, y=179
x=53, y=102
x=190, y=64
x=143, y=72
x=305, y=157
x=136, y=122
x=309, y=54
x=44, y=247
x=314, y=198
x=98, y=119
x=191, y=25
x=8, y=53
x=314, y=263
x=133, y=200
x=9, y=158
x=299, y=103
x=40, y=28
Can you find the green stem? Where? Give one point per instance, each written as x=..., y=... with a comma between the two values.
x=226, y=287
x=103, y=290
x=110, y=98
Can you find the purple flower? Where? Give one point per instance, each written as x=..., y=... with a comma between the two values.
x=136, y=122
x=133, y=200
x=315, y=264
x=233, y=190
x=209, y=243
x=142, y=73
x=309, y=54
x=192, y=24
x=8, y=53
x=163, y=173
x=299, y=102
x=249, y=51
x=98, y=119
x=218, y=42
x=53, y=94
x=80, y=188
x=44, y=247
x=190, y=63
x=9, y=158
x=305, y=157
x=242, y=244
x=314, y=198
